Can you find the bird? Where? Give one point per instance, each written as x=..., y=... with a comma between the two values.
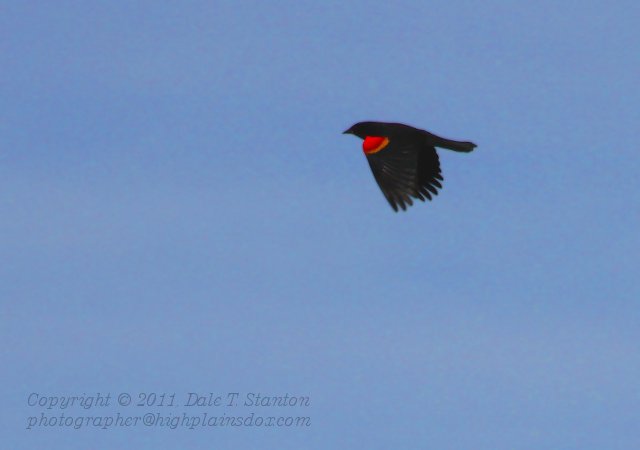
x=404, y=160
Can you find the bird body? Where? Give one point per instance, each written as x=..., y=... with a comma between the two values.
x=403, y=159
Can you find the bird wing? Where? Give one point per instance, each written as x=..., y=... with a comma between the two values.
x=406, y=170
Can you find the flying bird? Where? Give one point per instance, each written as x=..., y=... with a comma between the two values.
x=403, y=159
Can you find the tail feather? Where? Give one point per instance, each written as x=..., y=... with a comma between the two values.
x=456, y=146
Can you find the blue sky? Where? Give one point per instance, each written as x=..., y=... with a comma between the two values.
x=181, y=213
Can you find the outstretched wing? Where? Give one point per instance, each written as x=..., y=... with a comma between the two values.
x=405, y=171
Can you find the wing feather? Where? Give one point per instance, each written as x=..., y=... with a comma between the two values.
x=407, y=170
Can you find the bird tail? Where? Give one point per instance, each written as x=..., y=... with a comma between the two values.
x=456, y=146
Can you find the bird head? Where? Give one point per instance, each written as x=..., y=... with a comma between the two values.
x=364, y=129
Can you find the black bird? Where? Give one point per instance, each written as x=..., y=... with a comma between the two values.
x=403, y=159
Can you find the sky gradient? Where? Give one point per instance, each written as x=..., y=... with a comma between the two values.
x=181, y=213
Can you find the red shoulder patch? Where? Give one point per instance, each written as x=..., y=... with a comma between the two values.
x=373, y=144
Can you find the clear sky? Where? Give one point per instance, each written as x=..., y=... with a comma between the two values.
x=181, y=213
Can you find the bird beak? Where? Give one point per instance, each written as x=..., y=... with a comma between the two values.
x=347, y=131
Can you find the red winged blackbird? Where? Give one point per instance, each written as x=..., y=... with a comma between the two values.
x=403, y=159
